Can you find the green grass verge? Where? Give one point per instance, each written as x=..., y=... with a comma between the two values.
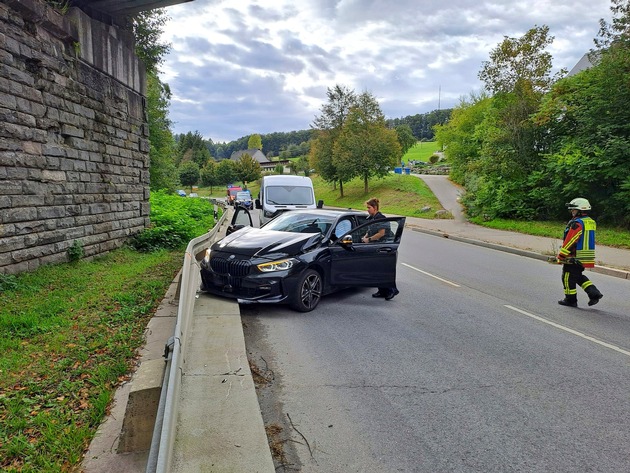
x=69, y=334
x=615, y=237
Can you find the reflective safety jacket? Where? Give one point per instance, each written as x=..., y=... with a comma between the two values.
x=579, y=241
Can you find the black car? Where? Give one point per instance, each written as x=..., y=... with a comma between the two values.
x=299, y=256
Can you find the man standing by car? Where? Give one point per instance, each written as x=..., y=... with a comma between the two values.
x=378, y=232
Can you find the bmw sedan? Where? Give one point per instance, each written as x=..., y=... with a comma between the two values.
x=300, y=256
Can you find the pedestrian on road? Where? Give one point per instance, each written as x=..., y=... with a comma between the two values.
x=377, y=232
x=577, y=253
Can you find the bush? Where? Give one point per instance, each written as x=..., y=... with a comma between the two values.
x=174, y=222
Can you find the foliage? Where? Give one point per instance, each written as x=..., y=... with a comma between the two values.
x=366, y=147
x=148, y=27
x=189, y=174
x=520, y=60
x=75, y=251
x=174, y=222
x=226, y=172
x=405, y=137
x=208, y=174
x=247, y=169
x=460, y=139
x=254, y=142
x=162, y=170
x=497, y=149
x=588, y=120
x=422, y=125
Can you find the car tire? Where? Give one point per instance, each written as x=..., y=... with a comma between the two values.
x=308, y=292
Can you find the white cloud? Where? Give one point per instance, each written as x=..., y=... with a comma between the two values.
x=238, y=68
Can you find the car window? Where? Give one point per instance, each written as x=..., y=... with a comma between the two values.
x=289, y=195
x=301, y=222
x=342, y=227
x=391, y=228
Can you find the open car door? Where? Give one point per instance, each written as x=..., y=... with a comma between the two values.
x=241, y=218
x=354, y=263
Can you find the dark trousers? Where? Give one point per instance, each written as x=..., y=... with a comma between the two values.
x=572, y=275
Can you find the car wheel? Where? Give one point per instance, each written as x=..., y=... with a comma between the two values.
x=309, y=292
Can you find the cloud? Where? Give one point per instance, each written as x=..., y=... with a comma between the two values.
x=238, y=68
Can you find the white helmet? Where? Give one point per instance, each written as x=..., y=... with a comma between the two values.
x=579, y=204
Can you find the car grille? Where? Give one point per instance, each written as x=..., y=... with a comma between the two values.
x=234, y=268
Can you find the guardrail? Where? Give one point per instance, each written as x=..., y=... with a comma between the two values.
x=160, y=454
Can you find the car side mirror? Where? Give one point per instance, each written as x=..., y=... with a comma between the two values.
x=258, y=206
x=320, y=204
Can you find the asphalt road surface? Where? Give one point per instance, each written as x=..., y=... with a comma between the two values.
x=474, y=367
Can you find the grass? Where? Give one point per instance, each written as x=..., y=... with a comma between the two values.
x=607, y=236
x=422, y=151
x=399, y=194
x=70, y=334
x=68, y=337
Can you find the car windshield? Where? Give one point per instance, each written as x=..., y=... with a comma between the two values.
x=301, y=222
x=290, y=195
x=243, y=196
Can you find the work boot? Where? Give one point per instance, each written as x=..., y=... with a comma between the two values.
x=593, y=295
x=569, y=301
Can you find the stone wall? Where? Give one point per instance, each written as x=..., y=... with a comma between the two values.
x=74, y=163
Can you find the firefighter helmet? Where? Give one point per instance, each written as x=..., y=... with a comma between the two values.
x=579, y=204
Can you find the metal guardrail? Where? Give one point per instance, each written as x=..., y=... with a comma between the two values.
x=160, y=454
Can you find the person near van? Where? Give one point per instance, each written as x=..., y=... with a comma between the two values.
x=577, y=253
x=376, y=232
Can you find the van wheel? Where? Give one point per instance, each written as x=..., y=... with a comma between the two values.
x=308, y=292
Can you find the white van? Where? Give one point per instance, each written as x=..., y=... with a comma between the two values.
x=281, y=193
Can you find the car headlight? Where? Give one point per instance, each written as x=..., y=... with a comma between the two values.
x=205, y=262
x=280, y=265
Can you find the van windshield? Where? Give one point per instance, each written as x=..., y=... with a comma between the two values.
x=290, y=195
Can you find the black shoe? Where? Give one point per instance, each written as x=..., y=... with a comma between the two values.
x=595, y=300
x=378, y=294
x=568, y=302
x=392, y=294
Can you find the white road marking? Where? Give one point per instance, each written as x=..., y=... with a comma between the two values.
x=571, y=331
x=432, y=275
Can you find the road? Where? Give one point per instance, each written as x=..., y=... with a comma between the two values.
x=474, y=367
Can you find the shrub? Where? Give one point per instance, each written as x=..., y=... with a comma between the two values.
x=174, y=222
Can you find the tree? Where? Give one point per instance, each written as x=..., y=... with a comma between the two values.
x=147, y=28
x=255, y=142
x=226, y=173
x=366, y=147
x=208, y=175
x=189, y=174
x=162, y=170
x=512, y=144
x=247, y=169
x=460, y=139
x=587, y=119
x=518, y=60
x=405, y=138
x=327, y=126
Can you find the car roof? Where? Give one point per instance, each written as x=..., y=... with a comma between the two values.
x=330, y=212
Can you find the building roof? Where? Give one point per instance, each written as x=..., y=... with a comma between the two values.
x=253, y=152
x=121, y=8
x=587, y=61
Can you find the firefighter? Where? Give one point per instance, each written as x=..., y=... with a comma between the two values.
x=577, y=253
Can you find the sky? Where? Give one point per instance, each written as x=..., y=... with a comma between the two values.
x=238, y=68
